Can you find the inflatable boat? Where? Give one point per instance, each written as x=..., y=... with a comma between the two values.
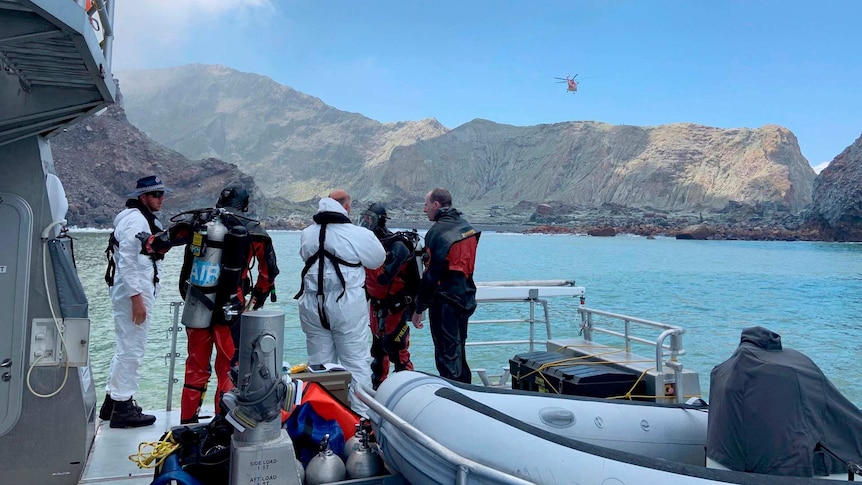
x=774, y=419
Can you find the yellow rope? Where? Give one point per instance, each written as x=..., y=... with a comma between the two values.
x=628, y=395
x=160, y=450
x=569, y=360
x=548, y=384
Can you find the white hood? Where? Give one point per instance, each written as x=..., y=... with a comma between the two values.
x=327, y=204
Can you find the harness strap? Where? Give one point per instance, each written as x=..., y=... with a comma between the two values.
x=201, y=296
x=109, y=255
x=195, y=388
x=155, y=228
x=319, y=257
x=392, y=304
x=321, y=295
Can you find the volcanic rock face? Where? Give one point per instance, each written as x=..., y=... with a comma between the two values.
x=297, y=147
x=293, y=148
x=100, y=159
x=836, y=211
x=674, y=167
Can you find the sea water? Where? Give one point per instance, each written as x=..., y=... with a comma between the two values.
x=809, y=293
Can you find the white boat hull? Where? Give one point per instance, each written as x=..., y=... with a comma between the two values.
x=517, y=434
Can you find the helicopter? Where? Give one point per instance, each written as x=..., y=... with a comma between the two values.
x=572, y=85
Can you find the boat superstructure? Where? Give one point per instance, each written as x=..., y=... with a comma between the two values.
x=54, y=71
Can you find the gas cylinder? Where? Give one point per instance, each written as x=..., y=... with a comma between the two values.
x=300, y=469
x=326, y=467
x=419, y=255
x=364, y=462
x=352, y=444
x=206, y=246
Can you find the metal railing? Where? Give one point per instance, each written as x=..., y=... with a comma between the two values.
x=173, y=355
x=532, y=298
x=464, y=467
x=668, y=345
x=671, y=350
x=531, y=320
x=105, y=11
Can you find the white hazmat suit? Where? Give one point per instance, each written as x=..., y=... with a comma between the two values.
x=348, y=340
x=134, y=275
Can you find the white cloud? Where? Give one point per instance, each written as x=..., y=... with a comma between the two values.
x=147, y=29
x=819, y=168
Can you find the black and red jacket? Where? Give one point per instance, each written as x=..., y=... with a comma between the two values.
x=450, y=245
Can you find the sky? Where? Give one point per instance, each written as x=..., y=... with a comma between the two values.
x=722, y=63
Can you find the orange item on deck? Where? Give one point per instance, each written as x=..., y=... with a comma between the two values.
x=328, y=406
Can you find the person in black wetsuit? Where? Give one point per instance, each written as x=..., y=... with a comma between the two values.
x=447, y=289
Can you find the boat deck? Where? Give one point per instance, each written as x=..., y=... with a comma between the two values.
x=108, y=462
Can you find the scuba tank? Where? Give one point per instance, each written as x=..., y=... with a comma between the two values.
x=300, y=469
x=352, y=444
x=364, y=462
x=418, y=251
x=326, y=467
x=206, y=246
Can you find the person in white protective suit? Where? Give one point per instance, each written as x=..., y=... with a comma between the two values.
x=134, y=284
x=333, y=310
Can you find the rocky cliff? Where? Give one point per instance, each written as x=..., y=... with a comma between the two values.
x=100, y=159
x=578, y=176
x=836, y=211
x=681, y=167
x=294, y=145
x=297, y=147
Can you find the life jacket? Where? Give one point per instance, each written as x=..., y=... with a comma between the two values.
x=449, y=229
x=320, y=257
x=402, y=289
x=330, y=407
x=453, y=285
x=320, y=413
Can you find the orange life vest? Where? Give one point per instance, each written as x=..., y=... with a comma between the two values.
x=328, y=406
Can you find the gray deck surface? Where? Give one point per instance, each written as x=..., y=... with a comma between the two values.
x=109, y=463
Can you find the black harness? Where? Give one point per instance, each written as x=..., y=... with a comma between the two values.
x=394, y=303
x=155, y=228
x=319, y=257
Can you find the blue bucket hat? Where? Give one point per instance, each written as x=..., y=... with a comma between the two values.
x=148, y=184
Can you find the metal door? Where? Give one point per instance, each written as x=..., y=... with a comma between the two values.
x=16, y=221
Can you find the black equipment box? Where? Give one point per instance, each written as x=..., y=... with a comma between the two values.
x=554, y=373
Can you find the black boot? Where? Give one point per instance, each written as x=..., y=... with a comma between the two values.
x=127, y=414
x=107, y=408
x=192, y=420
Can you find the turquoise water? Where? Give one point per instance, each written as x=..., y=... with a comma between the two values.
x=808, y=292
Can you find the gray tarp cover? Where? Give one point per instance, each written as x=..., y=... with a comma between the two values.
x=73, y=300
x=770, y=409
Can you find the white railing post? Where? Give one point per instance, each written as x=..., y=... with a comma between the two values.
x=174, y=330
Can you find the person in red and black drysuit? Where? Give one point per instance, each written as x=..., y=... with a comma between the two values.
x=447, y=289
x=250, y=246
x=391, y=291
